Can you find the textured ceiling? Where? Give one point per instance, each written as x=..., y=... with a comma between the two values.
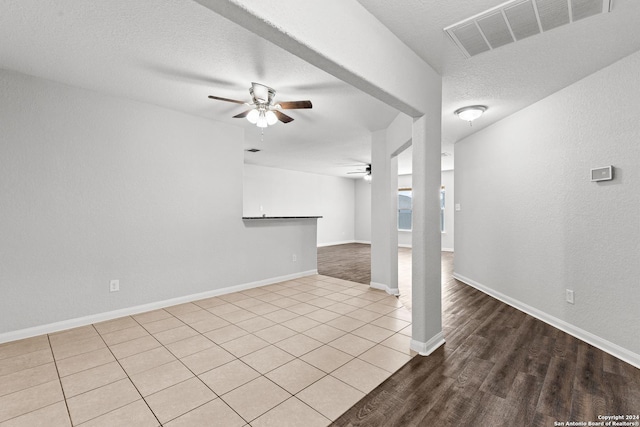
x=175, y=53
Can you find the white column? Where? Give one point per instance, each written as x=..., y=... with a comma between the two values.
x=426, y=264
x=384, y=232
x=392, y=203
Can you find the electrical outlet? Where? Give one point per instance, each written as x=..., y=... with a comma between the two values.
x=294, y=258
x=569, y=294
x=114, y=286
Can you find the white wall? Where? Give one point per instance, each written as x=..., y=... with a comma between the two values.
x=363, y=212
x=95, y=188
x=282, y=192
x=532, y=224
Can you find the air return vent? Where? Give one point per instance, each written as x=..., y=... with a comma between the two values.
x=518, y=19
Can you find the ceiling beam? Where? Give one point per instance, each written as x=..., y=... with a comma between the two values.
x=345, y=40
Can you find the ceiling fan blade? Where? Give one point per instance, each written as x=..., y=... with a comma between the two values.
x=243, y=114
x=293, y=105
x=349, y=173
x=282, y=117
x=226, y=99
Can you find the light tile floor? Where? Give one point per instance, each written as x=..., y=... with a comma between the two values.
x=295, y=353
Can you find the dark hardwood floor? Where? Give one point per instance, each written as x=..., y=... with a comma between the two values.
x=348, y=262
x=499, y=367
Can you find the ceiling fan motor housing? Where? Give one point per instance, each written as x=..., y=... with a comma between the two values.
x=261, y=94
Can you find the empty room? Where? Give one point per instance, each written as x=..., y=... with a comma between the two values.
x=349, y=213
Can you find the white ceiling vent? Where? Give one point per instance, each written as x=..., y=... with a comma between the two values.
x=518, y=19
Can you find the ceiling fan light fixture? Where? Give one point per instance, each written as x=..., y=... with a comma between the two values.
x=271, y=117
x=253, y=116
x=470, y=113
x=262, y=120
x=367, y=177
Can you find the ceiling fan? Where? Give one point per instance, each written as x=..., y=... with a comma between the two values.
x=366, y=171
x=264, y=111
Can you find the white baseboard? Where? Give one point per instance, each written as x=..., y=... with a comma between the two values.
x=101, y=317
x=363, y=242
x=402, y=245
x=596, y=341
x=426, y=348
x=447, y=249
x=342, y=242
x=386, y=288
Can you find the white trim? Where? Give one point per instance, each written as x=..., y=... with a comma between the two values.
x=343, y=242
x=403, y=245
x=446, y=249
x=386, y=288
x=596, y=341
x=426, y=348
x=364, y=242
x=101, y=317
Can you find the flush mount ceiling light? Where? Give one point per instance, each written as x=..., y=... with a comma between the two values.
x=470, y=113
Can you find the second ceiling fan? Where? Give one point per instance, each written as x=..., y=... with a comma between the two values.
x=265, y=112
x=366, y=172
